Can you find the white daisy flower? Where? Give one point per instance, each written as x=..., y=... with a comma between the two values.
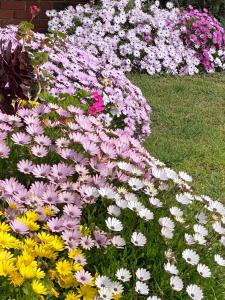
x=222, y=240
x=176, y=283
x=159, y=173
x=131, y=197
x=171, y=174
x=114, y=224
x=217, y=226
x=125, y=166
x=107, y=192
x=114, y=210
x=185, y=176
x=155, y=202
x=116, y=288
x=122, y=190
x=151, y=191
x=121, y=203
x=143, y=274
x=170, y=268
x=176, y=212
x=200, y=229
x=105, y=294
x=136, y=184
x=169, y=254
x=169, y=5
x=195, y=292
x=200, y=239
x=118, y=242
x=135, y=205
x=138, y=239
x=167, y=222
x=204, y=270
x=123, y=274
x=146, y=214
x=136, y=171
x=190, y=256
x=183, y=199
x=201, y=218
x=216, y=207
x=153, y=298
x=219, y=260
x=167, y=233
x=189, y=239
x=102, y=282
x=141, y=288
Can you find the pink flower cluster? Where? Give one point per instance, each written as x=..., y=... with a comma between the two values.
x=72, y=180
x=98, y=105
x=71, y=69
x=205, y=34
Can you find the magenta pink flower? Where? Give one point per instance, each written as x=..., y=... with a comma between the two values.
x=98, y=105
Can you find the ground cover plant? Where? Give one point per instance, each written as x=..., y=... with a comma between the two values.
x=126, y=225
x=144, y=36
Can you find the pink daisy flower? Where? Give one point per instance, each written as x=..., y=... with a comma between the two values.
x=87, y=243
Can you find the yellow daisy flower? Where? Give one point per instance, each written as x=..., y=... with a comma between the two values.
x=31, y=215
x=8, y=241
x=87, y=292
x=64, y=267
x=16, y=279
x=38, y=287
x=72, y=296
x=4, y=227
x=75, y=252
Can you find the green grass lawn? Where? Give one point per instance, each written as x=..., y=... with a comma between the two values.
x=188, y=126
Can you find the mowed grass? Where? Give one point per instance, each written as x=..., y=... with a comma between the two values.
x=188, y=126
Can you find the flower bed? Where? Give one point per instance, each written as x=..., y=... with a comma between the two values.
x=204, y=33
x=145, y=37
x=89, y=212
x=70, y=69
x=86, y=212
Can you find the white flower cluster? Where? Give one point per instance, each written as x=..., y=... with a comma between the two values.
x=188, y=220
x=138, y=38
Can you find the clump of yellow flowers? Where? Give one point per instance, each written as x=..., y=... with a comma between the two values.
x=37, y=266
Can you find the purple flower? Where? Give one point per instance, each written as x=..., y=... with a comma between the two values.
x=43, y=140
x=4, y=150
x=72, y=211
x=19, y=226
x=39, y=151
x=21, y=138
x=34, y=129
x=25, y=166
x=42, y=170
x=55, y=224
